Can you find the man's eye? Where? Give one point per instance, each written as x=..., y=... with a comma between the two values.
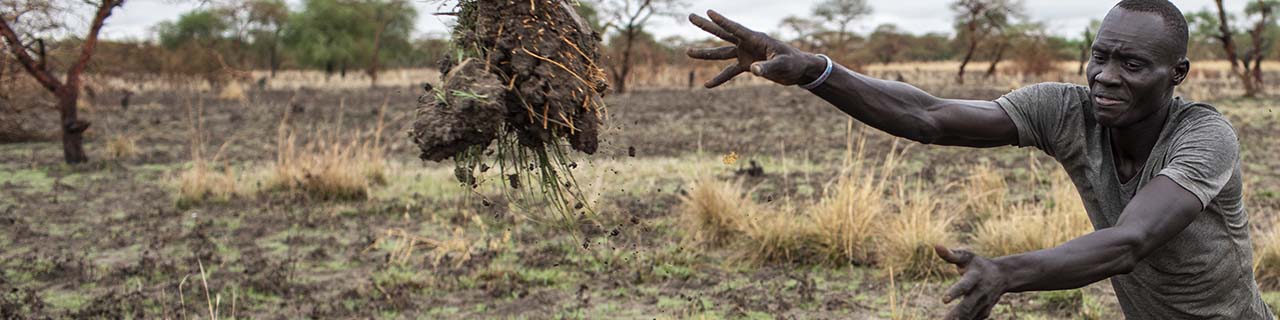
x=1132, y=65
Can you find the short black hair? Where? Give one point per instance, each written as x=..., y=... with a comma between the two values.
x=1174, y=21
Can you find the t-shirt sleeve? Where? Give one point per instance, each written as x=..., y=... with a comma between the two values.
x=1203, y=159
x=1040, y=111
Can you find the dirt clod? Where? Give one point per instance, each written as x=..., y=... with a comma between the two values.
x=532, y=74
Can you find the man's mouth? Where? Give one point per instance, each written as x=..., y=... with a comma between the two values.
x=1106, y=101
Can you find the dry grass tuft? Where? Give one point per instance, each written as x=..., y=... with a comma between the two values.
x=777, y=236
x=712, y=212
x=1035, y=226
x=121, y=147
x=203, y=181
x=329, y=167
x=1266, y=257
x=986, y=192
x=847, y=219
x=907, y=242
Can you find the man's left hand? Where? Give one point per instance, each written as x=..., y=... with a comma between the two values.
x=982, y=284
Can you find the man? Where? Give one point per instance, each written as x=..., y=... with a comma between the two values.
x=1160, y=177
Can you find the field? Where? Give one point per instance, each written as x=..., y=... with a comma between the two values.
x=183, y=212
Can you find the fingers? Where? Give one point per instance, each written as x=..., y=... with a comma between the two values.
x=712, y=28
x=729, y=72
x=721, y=53
x=964, y=310
x=732, y=27
x=958, y=257
x=961, y=288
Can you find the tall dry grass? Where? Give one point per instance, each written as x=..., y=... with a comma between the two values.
x=714, y=211
x=207, y=180
x=329, y=166
x=777, y=235
x=1027, y=227
x=906, y=245
x=985, y=192
x=1266, y=257
x=849, y=218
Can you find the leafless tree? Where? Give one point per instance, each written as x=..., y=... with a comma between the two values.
x=28, y=49
x=628, y=18
x=1248, y=66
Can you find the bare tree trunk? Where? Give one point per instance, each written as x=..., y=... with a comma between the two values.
x=968, y=56
x=624, y=71
x=67, y=91
x=377, y=46
x=72, y=127
x=995, y=61
x=1229, y=45
x=1084, y=50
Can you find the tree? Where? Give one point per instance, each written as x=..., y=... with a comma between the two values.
x=34, y=61
x=392, y=21
x=1247, y=66
x=1086, y=45
x=842, y=14
x=628, y=18
x=267, y=20
x=976, y=20
x=804, y=30
x=888, y=43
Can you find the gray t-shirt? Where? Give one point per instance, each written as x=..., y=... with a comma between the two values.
x=1206, y=271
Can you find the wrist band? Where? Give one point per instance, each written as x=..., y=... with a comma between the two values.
x=823, y=78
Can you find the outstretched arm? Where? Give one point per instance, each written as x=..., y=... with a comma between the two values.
x=894, y=107
x=1159, y=212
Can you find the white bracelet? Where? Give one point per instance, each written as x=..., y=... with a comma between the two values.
x=823, y=77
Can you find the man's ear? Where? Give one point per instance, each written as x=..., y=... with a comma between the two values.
x=1181, y=70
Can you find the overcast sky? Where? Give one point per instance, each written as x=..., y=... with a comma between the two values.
x=917, y=16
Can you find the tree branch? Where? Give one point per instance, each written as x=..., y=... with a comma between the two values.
x=18, y=50
x=90, y=42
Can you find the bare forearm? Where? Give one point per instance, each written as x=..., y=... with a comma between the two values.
x=894, y=107
x=1077, y=263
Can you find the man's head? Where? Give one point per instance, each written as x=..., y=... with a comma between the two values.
x=1139, y=56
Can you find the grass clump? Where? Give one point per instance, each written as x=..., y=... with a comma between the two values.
x=1266, y=257
x=848, y=219
x=329, y=166
x=121, y=147
x=777, y=235
x=1035, y=226
x=986, y=192
x=713, y=211
x=908, y=238
x=205, y=181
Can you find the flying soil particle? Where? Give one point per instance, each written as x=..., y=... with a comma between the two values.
x=631, y=151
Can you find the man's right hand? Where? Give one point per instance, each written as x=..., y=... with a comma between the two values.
x=756, y=52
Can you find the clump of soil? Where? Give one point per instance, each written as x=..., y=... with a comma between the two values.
x=531, y=74
x=465, y=114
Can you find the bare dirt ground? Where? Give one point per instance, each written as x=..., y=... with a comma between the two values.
x=107, y=239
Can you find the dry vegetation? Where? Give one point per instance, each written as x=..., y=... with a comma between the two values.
x=272, y=175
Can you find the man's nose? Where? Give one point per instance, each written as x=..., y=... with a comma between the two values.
x=1109, y=76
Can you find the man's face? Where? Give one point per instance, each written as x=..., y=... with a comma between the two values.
x=1136, y=64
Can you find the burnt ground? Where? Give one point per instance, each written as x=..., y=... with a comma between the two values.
x=107, y=239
